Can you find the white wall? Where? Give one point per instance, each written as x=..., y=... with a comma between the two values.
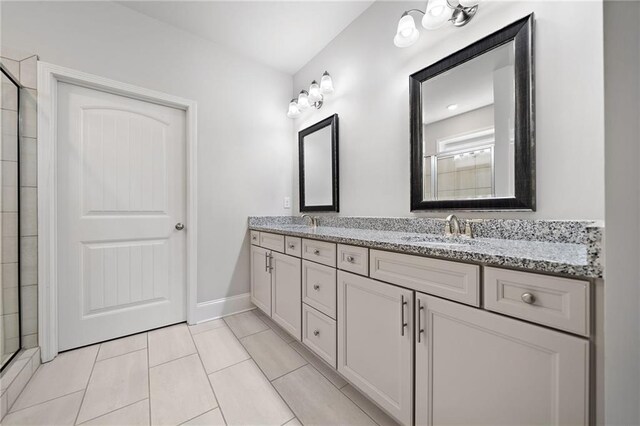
x=622, y=212
x=243, y=134
x=371, y=77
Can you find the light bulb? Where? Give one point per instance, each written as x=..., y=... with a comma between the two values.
x=294, y=111
x=326, y=84
x=303, y=100
x=314, y=92
x=468, y=3
x=436, y=15
x=452, y=107
x=407, y=33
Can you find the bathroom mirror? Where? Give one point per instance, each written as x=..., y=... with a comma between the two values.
x=472, y=138
x=318, y=164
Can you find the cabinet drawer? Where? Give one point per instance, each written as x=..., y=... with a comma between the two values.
x=319, y=287
x=319, y=251
x=293, y=246
x=319, y=334
x=255, y=238
x=556, y=302
x=272, y=241
x=353, y=259
x=451, y=280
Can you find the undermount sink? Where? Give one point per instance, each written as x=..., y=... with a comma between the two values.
x=438, y=240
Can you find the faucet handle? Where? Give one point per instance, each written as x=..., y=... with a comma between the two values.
x=468, y=231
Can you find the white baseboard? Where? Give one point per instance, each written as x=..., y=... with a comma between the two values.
x=219, y=308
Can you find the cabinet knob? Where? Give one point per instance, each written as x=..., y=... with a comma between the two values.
x=179, y=226
x=528, y=298
x=316, y=252
x=254, y=238
x=316, y=287
x=316, y=332
x=292, y=246
x=350, y=259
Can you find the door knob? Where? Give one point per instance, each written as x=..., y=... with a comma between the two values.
x=179, y=226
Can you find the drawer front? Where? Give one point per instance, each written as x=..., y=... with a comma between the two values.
x=319, y=334
x=255, y=238
x=272, y=241
x=293, y=246
x=556, y=302
x=319, y=251
x=450, y=280
x=353, y=259
x=319, y=287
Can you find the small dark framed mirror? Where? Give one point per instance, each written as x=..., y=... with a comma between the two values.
x=318, y=166
x=472, y=130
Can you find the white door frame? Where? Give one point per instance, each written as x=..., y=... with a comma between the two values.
x=49, y=76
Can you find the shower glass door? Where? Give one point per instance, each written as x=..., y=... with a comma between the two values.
x=9, y=218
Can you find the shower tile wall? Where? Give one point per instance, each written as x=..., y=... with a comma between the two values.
x=26, y=69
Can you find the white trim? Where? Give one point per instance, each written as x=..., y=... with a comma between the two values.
x=222, y=307
x=48, y=78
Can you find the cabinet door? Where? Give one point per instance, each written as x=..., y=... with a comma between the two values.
x=476, y=367
x=286, y=285
x=260, y=279
x=375, y=342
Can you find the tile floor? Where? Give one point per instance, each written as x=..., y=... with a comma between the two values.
x=240, y=370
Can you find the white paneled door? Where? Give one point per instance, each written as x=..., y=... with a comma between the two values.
x=121, y=197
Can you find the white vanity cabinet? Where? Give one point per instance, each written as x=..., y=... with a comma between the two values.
x=276, y=283
x=261, y=279
x=375, y=342
x=285, y=293
x=476, y=367
x=434, y=341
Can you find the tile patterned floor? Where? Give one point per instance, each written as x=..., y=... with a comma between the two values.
x=240, y=370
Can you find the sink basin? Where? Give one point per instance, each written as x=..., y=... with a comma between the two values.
x=439, y=240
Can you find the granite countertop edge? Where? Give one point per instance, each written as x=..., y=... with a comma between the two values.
x=586, y=268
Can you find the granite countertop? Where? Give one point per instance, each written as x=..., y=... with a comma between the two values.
x=573, y=259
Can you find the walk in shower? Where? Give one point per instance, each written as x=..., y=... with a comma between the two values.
x=9, y=219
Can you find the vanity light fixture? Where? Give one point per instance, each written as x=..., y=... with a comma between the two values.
x=436, y=14
x=312, y=98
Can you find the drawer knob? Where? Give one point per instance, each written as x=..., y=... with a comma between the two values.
x=528, y=298
x=350, y=259
x=316, y=332
x=254, y=238
x=316, y=287
x=292, y=246
x=316, y=252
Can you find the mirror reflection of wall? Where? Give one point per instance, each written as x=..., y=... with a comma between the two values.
x=468, y=115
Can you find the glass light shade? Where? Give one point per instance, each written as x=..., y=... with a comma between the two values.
x=294, y=111
x=468, y=3
x=407, y=33
x=437, y=14
x=303, y=100
x=314, y=92
x=326, y=84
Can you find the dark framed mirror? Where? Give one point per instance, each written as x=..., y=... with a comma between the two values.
x=472, y=130
x=318, y=166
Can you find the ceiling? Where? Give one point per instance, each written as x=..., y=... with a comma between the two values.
x=282, y=34
x=469, y=85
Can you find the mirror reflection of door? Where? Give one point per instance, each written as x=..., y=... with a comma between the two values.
x=468, y=115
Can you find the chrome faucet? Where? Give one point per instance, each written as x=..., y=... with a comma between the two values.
x=314, y=220
x=452, y=226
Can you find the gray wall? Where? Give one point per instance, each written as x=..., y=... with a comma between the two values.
x=622, y=212
x=244, y=136
x=372, y=98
